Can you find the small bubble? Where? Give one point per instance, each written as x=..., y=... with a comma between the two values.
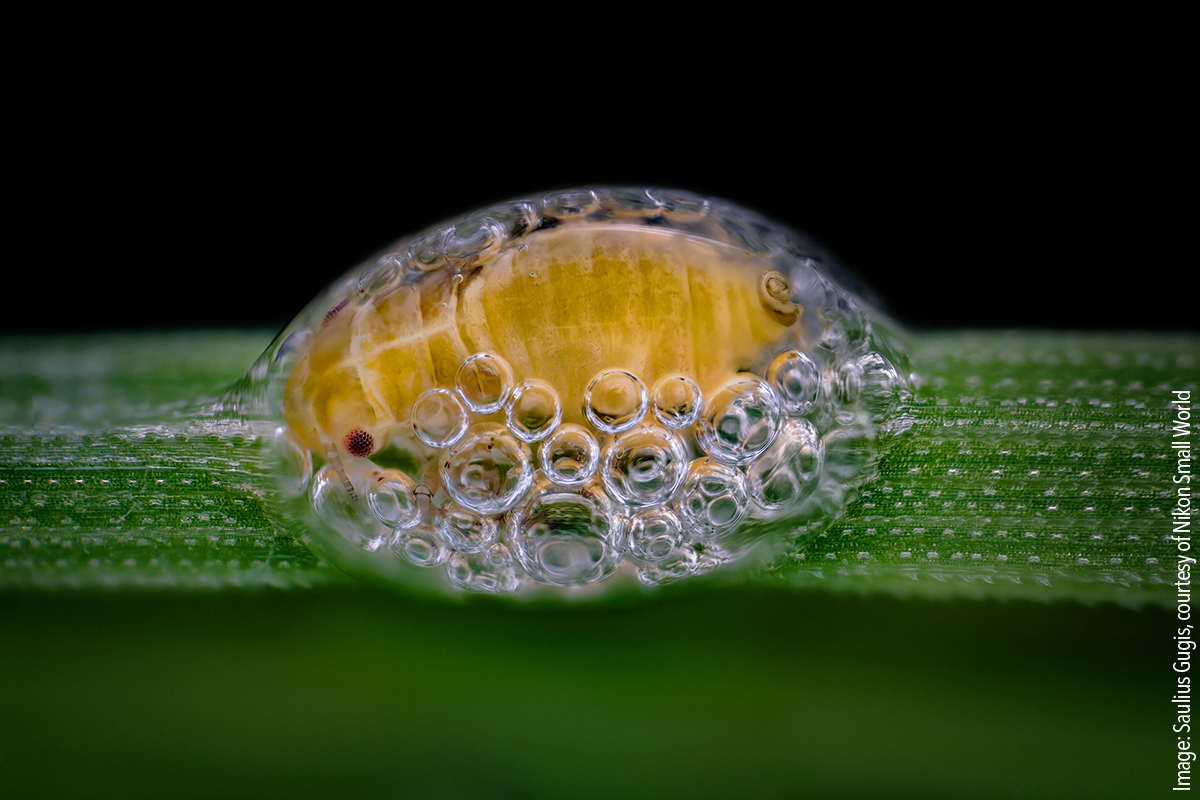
x=714, y=498
x=385, y=274
x=680, y=564
x=516, y=218
x=565, y=537
x=421, y=546
x=615, y=401
x=677, y=402
x=848, y=383
x=880, y=385
x=570, y=456
x=654, y=535
x=573, y=203
x=475, y=572
x=643, y=467
x=484, y=382
x=628, y=203
x=341, y=511
x=534, y=411
x=789, y=472
x=498, y=555
x=428, y=253
x=473, y=241
x=292, y=463
x=392, y=500
x=740, y=421
x=438, y=418
x=489, y=470
x=464, y=529
x=797, y=381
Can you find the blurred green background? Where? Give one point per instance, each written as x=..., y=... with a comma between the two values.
x=349, y=691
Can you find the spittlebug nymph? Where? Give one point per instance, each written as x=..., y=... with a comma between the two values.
x=561, y=390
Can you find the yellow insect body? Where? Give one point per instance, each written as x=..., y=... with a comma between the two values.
x=570, y=305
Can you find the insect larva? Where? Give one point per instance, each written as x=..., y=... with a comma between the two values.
x=570, y=306
x=545, y=391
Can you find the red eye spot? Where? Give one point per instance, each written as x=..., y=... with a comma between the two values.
x=358, y=443
x=333, y=312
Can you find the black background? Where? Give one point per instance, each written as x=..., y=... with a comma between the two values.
x=1012, y=184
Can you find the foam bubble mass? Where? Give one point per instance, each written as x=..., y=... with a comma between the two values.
x=594, y=388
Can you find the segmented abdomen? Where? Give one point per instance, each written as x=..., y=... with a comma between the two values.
x=569, y=305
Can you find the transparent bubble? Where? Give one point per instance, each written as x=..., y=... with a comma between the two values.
x=786, y=475
x=572, y=203
x=428, y=253
x=342, y=511
x=516, y=218
x=475, y=572
x=570, y=456
x=498, y=555
x=643, y=467
x=797, y=381
x=392, y=499
x=438, y=418
x=714, y=498
x=565, y=537
x=654, y=535
x=879, y=384
x=464, y=529
x=291, y=462
x=848, y=382
x=615, y=401
x=388, y=272
x=473, y=241
x=635, y=203
x=534, y=411
x=740, y=420
x=484, y=382
x=677, y=402
x=489, y=470
x=421, y=546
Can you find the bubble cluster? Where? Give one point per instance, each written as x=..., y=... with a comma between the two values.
x=475, y=403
